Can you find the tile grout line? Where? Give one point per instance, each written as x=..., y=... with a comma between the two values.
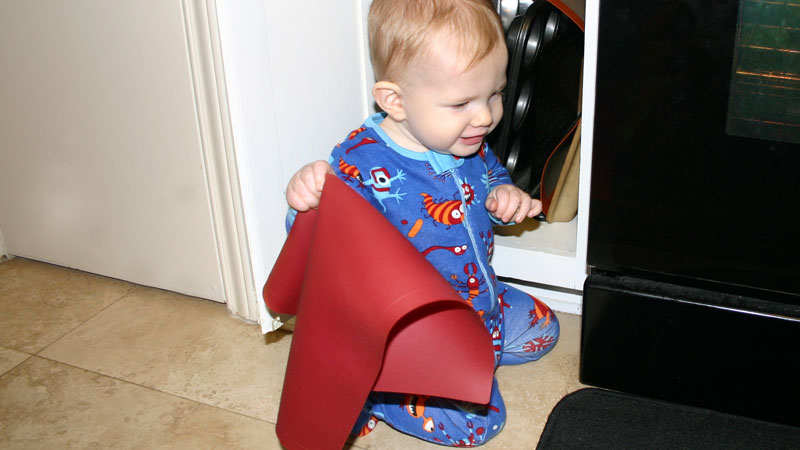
x=29, y=356
x=84, y=322
x=352, y=446
x=170, y=394
x=32, y=356
x=38, y=354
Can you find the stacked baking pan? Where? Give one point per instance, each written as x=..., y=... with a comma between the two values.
x=542, y=103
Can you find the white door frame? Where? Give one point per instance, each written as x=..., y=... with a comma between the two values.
x=222, y=175
x=3, y=252
x=266, y=83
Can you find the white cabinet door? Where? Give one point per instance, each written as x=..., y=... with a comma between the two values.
x=101, y=160
x=296, y=85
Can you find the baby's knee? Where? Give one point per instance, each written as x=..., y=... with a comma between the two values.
x=470, y=428
x=530, y=331
x=543, y=317
x=551, y=324
x=444, y=421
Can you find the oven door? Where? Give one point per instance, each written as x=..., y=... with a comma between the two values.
x=696, y=163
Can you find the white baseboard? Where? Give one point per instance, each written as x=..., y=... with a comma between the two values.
x=3, y=251
x=560, y=300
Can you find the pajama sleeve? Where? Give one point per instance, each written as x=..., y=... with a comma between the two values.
x=497, y=176
x=497, y=173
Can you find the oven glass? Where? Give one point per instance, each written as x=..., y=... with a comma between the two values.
x=764, y=100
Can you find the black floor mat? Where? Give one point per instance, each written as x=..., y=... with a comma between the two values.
x=598, y=419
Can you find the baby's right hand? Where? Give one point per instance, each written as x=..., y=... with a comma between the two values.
x=305, y=187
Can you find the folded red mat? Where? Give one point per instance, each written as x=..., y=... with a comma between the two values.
x=372, y=314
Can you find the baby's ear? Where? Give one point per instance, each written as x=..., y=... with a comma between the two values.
x=389, y=98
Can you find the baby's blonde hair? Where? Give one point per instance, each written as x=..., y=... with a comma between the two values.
x=400, y=30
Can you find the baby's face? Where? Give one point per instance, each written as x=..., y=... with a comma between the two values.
x=451, y=110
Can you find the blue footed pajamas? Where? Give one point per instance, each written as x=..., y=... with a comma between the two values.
x=438, y=202
x=525, y=331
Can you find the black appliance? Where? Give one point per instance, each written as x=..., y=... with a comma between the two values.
x=694, y=250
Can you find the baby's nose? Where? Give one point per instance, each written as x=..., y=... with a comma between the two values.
x=483, y=117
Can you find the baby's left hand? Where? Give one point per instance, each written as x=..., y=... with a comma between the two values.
x=507, y=202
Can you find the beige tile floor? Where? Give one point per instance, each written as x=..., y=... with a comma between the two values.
x=91, y=362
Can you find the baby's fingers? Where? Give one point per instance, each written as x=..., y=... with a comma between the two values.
x=305, y=186
x=318, y=170
x=523, y=208
x=535, y=209
x=502, y=198
x=300, y=197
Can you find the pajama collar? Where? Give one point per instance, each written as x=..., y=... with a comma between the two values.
x=440, y=162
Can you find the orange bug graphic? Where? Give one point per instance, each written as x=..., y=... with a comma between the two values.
x=415, y=406
x=350, y=171
x=448, y=213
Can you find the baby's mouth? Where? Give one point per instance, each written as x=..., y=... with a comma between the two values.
x=472, y=140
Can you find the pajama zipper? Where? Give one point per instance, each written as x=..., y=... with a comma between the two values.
x=465, y=221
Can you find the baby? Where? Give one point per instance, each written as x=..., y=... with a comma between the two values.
x=423, y=162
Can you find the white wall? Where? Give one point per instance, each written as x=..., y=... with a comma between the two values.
x=296, y=86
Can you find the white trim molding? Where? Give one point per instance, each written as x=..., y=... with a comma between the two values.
x=3, y=251
x=219, y=156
